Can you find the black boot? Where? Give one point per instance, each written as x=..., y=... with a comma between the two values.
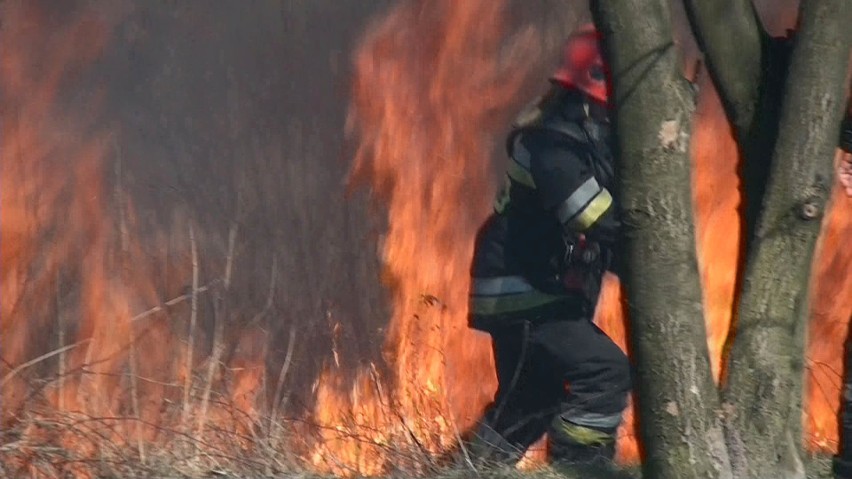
x=580, y=449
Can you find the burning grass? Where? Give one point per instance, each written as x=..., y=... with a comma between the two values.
x=222, y=454
x=43, y=441
x=193, y=440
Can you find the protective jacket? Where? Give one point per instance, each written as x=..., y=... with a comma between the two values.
x=552, y=234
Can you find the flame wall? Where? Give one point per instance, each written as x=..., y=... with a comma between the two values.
x=150, y=149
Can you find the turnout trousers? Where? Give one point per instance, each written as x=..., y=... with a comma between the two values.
x=566, y=378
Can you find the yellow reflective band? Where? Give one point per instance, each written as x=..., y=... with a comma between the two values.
x=519, y=174
x=578, y=199
x=489, y=305
x=582, y=435
x=593, y=211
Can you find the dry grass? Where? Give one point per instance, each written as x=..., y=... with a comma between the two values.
x=54, y=444
x=50, y=444
x=43, y=442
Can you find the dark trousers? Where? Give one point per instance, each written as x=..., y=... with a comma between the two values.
x=567, y=369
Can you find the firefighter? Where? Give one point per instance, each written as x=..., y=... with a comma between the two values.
x=537, y=271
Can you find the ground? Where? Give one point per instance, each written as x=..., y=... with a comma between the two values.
x=819, y=467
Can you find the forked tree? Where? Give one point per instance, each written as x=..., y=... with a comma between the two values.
x=784, y=99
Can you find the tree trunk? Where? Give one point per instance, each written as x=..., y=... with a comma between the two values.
x=748, y=69
x=732, y=38
x=678, y=400
x=766, y=359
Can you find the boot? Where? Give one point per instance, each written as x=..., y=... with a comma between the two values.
x=580, y=449
x=487, y=447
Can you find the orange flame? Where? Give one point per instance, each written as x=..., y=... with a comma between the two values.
x=39, y=196
x=76, y=281
x=830, y=313
x=422, y=100
x=425, y=148
x=54, y=229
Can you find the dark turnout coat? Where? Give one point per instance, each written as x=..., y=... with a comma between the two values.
x=529, y=255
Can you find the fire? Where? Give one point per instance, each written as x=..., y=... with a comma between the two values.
x=130, y=371
x=36, y=197
x=54, y=232
x=423, y=149
x=421, y=105
x=830, y=313
x=92, y=364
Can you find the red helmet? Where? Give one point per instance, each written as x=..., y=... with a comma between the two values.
x=582, y=66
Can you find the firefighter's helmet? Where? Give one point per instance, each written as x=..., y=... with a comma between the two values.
x=582, y=65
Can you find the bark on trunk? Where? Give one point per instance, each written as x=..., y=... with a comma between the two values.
x=678, y=400
x=766, y=358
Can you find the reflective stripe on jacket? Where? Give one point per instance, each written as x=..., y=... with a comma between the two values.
x=558, y=180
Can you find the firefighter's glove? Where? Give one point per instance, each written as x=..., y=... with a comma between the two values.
x=590, y=253
x=582, y=250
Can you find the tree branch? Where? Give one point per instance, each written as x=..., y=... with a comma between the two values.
x=732, y=38
x=748, y=70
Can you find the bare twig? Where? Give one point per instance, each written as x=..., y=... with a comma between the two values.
x=462, y=446
x=63, y=360
x=192, y=320
x=134, y=396
x=39, y=359
x=124, y=239
x=173, y=301
x=212, y=366
x=87, y=361
x=270, y=295
x=424, y=456
x=283, y=374
x=218, y=333
x=229, y=260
